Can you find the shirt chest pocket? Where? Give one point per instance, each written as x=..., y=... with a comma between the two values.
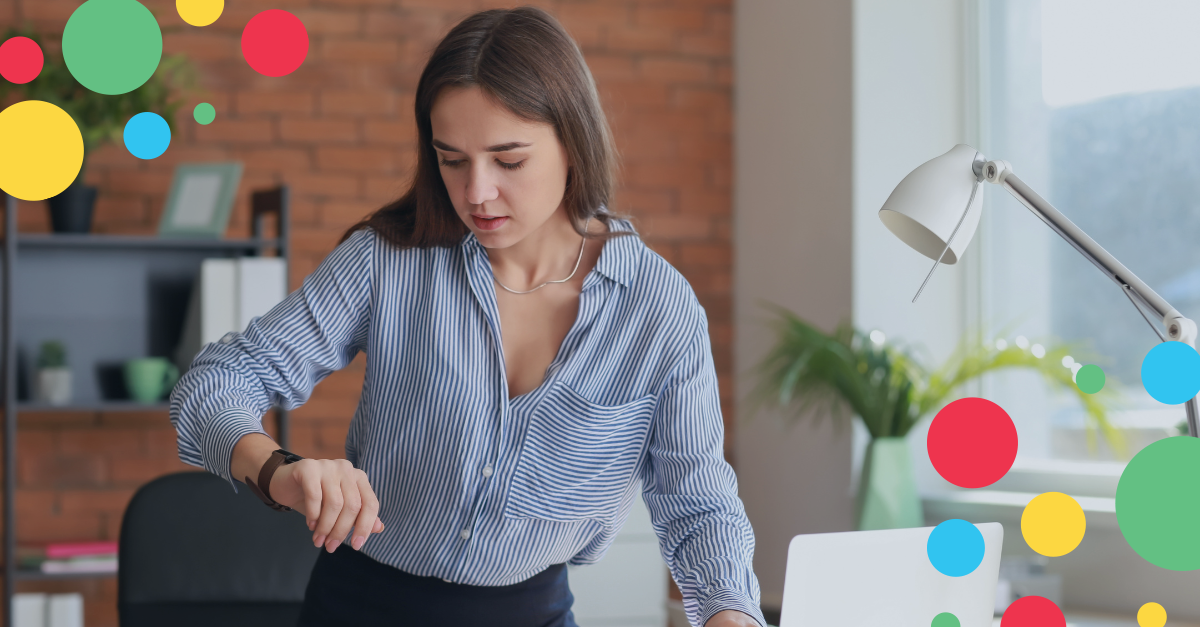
x=578, y=457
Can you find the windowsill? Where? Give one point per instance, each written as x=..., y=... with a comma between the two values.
x=1035, y=476
x=1069, y=467
x=1006, y=507
x=1092, y=484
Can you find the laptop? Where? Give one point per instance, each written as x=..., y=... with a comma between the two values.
x=884, y=578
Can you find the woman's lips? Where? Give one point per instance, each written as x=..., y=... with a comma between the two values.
x=489, y=224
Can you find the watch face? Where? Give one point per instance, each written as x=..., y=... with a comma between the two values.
x=289, y=457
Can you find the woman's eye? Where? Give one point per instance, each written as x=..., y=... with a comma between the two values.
x=504, y=164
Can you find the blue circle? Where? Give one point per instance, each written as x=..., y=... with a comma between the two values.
x=1171, y=372
x=955, y=548
x=147, y=135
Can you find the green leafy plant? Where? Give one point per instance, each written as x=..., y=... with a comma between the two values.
x=888, y=389
x=102, y=118
x=52, y=354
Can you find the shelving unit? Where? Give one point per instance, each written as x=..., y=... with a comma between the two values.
x=108, y=297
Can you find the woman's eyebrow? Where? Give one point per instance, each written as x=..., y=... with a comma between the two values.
x=496, y=148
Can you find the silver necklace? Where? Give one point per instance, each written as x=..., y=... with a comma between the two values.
x=585, y=225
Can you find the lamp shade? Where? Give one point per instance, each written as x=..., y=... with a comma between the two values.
x=925, y=207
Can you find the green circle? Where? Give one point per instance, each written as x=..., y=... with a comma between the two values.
x=1158, y=503
x=112, y=47
x=945, y=619
x=1090, y=379
x=205, y=113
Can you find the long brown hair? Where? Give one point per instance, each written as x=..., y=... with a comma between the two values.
x=525, y=61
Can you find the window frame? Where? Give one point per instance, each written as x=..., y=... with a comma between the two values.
x=1067, y=475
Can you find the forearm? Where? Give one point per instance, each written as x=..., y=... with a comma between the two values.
x=714, y=585
x=709, y=550
x=249, y=455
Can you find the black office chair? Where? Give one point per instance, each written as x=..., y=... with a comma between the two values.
x=193, y=553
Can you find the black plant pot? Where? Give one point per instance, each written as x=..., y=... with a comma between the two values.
x=71, y=211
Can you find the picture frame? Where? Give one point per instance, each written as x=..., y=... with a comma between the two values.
x=200, y=200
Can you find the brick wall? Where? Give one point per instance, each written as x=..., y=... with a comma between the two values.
x=339, y=132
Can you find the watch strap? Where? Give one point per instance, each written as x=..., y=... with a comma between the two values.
x=262, y=489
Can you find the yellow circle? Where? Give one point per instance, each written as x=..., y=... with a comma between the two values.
x=1152, y=615
x=199, y=12
x=1053, y=524
x=41, y=150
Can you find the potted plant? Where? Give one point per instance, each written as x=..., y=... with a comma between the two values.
x=101, y=118
x=891, y=392
x=53, y=374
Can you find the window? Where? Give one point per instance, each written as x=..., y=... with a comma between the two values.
x=1096, y=104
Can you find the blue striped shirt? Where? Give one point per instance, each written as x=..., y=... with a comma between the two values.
x=474, y=487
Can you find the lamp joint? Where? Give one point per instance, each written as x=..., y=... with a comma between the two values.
x=996, y=171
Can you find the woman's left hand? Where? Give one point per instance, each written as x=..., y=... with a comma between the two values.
x=731, y=618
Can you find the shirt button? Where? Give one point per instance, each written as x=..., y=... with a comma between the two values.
x=447, y=581
x=466, y=534
x=487, y=470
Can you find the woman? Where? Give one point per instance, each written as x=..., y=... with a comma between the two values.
x=530, y=365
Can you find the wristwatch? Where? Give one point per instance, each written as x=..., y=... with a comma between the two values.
x=278, y=458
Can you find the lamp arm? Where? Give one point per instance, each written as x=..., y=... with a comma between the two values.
x=1179, y=328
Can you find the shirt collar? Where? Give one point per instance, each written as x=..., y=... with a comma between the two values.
x=620, y=255
x=618, y=259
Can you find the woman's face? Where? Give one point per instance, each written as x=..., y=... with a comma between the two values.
x=505, y=176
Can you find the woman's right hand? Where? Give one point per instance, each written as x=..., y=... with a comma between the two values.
x=333, y=495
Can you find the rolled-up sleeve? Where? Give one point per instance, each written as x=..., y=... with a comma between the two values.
x=691, y=492
x=276, y=360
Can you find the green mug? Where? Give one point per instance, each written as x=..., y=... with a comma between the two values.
x=148, y=378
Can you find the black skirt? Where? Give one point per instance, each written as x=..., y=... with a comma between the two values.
x=351, y=589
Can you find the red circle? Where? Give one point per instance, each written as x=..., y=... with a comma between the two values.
x=972, y=442
x=20, y=60
x=275, y=43
x=1033, y=611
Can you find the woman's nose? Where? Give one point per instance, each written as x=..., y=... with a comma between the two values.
x=480, y=186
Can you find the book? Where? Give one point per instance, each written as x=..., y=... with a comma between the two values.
x=96, y=564
x=261, y=284
x=64, y=610
x=32, y=556
x=60, y=550
x=39, y=609
x=29, y=609
x=218, y=304
x=227, y=295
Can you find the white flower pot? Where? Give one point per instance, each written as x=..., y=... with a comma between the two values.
x=54, y=386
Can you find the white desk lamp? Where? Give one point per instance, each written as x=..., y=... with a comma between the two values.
x=936, y=209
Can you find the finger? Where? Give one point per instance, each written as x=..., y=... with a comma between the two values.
x=365, y=523
x=310, y=487
x=331, y=506
x=351, y=506
x=369, y=497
